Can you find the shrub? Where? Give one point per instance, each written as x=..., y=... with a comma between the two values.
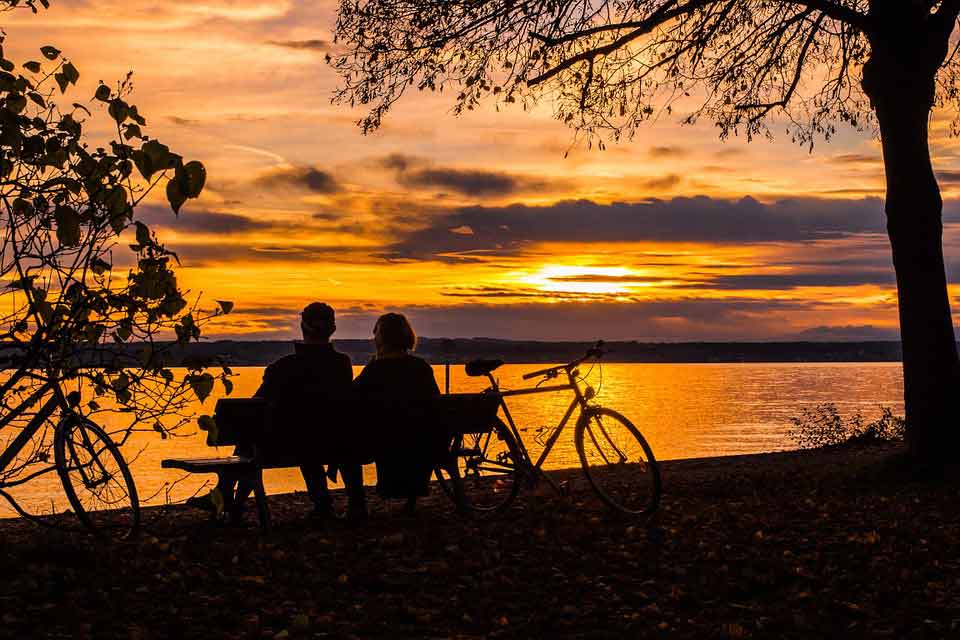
x=823, y=426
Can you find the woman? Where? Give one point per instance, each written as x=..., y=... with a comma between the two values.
x=400, y=386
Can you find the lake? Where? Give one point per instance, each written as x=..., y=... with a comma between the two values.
x=683, y=410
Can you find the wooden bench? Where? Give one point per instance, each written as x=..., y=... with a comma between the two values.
x=244, y=422
x=238, y=422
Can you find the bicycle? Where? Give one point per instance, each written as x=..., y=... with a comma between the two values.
x=616, y=459
x=93, y=472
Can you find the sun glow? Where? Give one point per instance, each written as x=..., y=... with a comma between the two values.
x=587, y=280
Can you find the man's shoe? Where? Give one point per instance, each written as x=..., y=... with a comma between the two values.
x=323, y=514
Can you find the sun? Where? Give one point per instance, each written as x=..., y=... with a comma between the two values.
x=583, y=279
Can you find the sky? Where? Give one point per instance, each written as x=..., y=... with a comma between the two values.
x=494, y=223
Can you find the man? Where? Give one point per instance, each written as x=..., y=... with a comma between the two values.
x=303, y=390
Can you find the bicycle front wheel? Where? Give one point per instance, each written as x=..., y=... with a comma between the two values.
x=96, y=478
x=618, y=462
x=487, y=466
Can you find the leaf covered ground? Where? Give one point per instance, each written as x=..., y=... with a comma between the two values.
x=798, y=545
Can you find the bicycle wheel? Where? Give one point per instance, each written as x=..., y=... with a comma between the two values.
x=96, y=478
x=618, y=462
x=489, y=468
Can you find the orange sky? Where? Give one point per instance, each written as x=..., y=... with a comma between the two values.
x=478, y=225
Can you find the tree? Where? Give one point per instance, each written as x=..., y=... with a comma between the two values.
x=72, y=323
x=608, y=66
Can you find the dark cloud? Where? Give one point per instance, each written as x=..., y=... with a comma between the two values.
x=855, y=158
x=662, y=183
x=668, y=151
x=309, y=178
x=313, y=45
x=511, y=229
x=420, y=174
x=881, y=277
x=656, y=320
x=204, y=221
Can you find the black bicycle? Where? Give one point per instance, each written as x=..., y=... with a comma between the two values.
x=616, y=459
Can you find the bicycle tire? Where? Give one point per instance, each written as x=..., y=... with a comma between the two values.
x=108, y=504
x=608, y=444
x=489, y=466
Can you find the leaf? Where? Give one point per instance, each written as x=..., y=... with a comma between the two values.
x=175, y=195
x=202, y=385
x=227, y=385
x=37, y=99
x=33, y=66
x=206, y=423
x=16, y=102
x=143, y=234
x=159, y=428
x=103, y=93
x=62, y=81
x=49, y=52
x=100, y=266
x=118, y=110
x=226, y=306
x=71, y=73
x=68, y=226
x=194, y=176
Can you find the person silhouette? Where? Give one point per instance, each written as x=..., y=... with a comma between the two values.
x=397, y=384
x=303, y=390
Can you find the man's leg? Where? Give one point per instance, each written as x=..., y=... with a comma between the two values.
x=315, y=478
x=356, y=495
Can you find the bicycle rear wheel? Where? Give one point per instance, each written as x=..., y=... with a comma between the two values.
x=488, y=466
x=618, y=462
x=96, y=478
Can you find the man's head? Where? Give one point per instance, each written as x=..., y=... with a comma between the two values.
x=317, y=322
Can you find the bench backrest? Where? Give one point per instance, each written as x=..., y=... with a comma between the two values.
x=239, y=421
x=465, y=412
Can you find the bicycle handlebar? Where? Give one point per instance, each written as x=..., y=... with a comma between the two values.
x=596, y=351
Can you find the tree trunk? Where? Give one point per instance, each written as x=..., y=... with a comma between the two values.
x=902, y=96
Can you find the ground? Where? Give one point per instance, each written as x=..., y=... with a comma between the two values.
x=796, y=545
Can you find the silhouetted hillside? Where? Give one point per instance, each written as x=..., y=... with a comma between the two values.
x=462, y=350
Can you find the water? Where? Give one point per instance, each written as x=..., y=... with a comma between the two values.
x=683, y=410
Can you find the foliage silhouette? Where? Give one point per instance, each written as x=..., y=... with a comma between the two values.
x=69, y=316
x=609, y=66
x=823, y=426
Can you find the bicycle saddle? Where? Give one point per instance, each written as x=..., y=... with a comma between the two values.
x=481, y=367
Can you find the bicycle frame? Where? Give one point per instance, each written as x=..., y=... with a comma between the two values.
x=579, y=400
x=46, y=410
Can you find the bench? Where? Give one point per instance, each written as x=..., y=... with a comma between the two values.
x=244, y=422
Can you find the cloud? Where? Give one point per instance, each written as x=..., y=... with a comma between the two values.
x=204, y=221
x=420, y=174
x=855, y=159
x=309, y=178
x=658, y=320
x=511, y=229
x=312, y=45
x=668, y=151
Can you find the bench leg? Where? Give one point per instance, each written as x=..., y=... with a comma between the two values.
x=263, y=511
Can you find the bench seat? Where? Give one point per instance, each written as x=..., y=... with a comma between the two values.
x=206, y=465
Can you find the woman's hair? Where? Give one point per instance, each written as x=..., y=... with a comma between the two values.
x=396, y=333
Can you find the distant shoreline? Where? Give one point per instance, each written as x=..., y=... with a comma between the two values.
x=438, y=351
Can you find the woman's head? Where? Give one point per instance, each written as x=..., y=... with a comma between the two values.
x=393, y=334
